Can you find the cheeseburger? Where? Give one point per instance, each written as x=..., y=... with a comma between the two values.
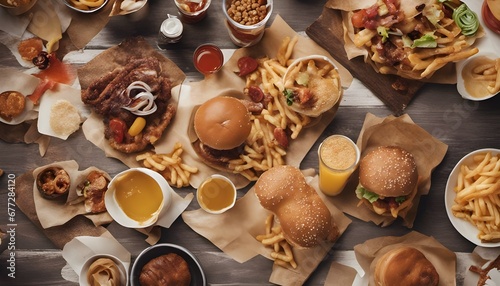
x=405, y=266
x=222, y=125
x=388, y=179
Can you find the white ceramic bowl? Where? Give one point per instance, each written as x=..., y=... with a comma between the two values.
x=233, y=189
x=119, y=215
x=121, y=267
x=13, y=10
x=465, y=228
x=197, y=274
x=460, y=80
x=91, y=10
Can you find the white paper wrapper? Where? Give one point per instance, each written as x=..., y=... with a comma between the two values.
x=57, y=212
x=78, y=250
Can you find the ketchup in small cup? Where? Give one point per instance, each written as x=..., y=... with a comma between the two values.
x=208, y=59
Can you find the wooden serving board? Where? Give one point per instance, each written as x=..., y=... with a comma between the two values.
x=394, y=91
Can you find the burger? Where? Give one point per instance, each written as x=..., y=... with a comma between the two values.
x=388, y=179
x=405, y=266
x=222, y=125
x=491, y=14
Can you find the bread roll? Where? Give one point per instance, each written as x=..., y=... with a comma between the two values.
x=405, y=266
x=303, y=216
x=166, y=270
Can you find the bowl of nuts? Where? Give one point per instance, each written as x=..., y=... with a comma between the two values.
x=246, y=20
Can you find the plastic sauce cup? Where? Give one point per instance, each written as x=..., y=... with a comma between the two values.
x=216, y=194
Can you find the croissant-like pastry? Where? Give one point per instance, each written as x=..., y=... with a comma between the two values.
x=166, y=270
x=103, y=272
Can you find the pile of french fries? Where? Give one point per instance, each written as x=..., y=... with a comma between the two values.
x=282, y=252
x=262, y=151
x=170, y=166
x=478, y=195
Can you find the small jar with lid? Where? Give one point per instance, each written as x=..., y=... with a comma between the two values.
x=170, y=31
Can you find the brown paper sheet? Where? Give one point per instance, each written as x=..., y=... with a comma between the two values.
x=234, y=233
x=327, y=31
x=224, y=82
x=403, y=132
x=444, y=260
x=52, y=213
x=59, y=235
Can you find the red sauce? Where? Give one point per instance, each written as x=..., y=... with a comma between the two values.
x=58, y=72
x=192, y=6
x=208, y=59
x=192, y=12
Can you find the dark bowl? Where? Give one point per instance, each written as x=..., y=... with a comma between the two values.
x=197, y=275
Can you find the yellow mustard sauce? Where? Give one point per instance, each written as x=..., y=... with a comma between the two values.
x=216, y=194
x=138, y=195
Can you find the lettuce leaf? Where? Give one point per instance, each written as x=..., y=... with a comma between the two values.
x=362, y=193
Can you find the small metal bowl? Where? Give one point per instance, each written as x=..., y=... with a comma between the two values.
x=90, y=10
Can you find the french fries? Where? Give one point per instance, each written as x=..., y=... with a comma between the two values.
x=263, y=149
x=282, y=252
x=489, y=72
x=170, y=166
x=478, y=196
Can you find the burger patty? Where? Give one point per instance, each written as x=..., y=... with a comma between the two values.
x=219, y=158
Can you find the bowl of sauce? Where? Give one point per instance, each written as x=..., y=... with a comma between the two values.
x=137, y=197
x=216, y=194
x=208, y=59
x=477, y=76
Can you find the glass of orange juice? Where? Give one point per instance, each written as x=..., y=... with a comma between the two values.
x=338, y=158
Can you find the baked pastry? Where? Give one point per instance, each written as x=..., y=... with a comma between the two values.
x=166, y=270
x=304, y=218
x=405, y=266
x=53, y=182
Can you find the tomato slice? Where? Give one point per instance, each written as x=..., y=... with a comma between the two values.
x=247, y=65
x=40, y=89
x=489, y=19
x=118, y=129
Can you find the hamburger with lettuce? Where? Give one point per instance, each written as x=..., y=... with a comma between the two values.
x=388, y=178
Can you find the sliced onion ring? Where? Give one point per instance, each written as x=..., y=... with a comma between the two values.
x=144, y=100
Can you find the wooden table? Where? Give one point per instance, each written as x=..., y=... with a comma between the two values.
x=463, y=125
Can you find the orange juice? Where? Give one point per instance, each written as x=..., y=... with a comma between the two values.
x=338, y=158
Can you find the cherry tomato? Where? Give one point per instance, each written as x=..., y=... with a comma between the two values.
x=358, y=19
x=247, y=65
x=118, y=129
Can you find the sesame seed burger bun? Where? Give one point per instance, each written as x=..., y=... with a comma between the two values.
x=222, y=123
x=304, y=218
x=405, y=266
x=388, y=171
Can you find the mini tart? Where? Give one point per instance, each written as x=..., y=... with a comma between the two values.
x=53, y=182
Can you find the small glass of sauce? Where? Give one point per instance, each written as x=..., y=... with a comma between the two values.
x=208, y=59
x=216, y=194
x=192, y=11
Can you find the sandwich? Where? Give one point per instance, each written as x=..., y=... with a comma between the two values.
x=388, y=178
x=222, y=125
x=405, y=266
x=303, y=216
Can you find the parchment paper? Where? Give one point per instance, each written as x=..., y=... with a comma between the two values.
x=79, y=249
x=234, y=233
x=190, y=95
x=480, y=257
x=58, y=212
x=403, y=132
x=368, y=253
x=59, y=235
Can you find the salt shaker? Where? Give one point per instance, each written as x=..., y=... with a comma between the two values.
x=170, y=31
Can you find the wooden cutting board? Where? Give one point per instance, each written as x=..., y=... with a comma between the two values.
x=394, y=91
